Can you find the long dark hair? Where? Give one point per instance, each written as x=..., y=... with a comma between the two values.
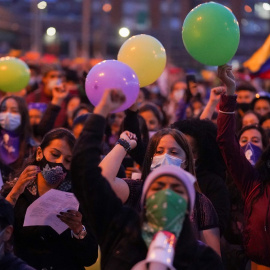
x=258, y=128
x=57, y=133
x=263, y=168
x=24, y=130
x=181, y=141
x=204, y=132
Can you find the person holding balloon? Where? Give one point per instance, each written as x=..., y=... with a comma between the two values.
x=252, y=181
x=124, y=238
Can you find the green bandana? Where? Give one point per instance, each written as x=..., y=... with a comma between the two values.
x=165, y=211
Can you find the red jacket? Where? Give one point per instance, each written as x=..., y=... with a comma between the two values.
x=256, y=234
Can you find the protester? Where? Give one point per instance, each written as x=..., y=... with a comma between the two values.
x=152, y=116
x=8, y=261
x=209, y=164
x=16, y=142
x=167, y=146
x=52, y=79
x=250, y=118
x=122, y=236
x=261, y=105
x=251, y=181
x=41, y=246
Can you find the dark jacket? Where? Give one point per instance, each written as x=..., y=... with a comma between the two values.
x=48, y=120
x=256, y=234
x=118, y=227
x=42, y=247
x=11, y=262
x=214, y=188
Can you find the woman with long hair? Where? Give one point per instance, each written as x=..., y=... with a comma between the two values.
x=41, y=246
x=252, y=181
x=16, y=142
x=125, y=236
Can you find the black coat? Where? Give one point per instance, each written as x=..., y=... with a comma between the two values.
x=43, y=248
x=118, y=227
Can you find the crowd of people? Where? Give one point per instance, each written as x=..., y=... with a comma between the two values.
x=193, y=163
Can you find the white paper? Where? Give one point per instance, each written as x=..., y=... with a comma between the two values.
x=43, y=211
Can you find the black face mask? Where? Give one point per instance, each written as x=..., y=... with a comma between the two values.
x=53, y=173
x=243, y=106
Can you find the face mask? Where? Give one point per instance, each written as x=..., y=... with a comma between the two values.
x=53, y=173
x=243, y=106
x=165, y=160
x=52, y=83
x=165, y=211
x=252, y=152
x=10, y=121
x=154, y=89
x=32, y=81
x=178, y=95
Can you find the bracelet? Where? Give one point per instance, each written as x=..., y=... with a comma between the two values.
x=81, y=234
x=124, y=143
x=226, y=112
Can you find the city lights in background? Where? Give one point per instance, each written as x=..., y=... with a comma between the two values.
x=51, y=31
x=124, y=32
x=42, y=5
x=266, y=6
x=248, y=9
x=107, y=7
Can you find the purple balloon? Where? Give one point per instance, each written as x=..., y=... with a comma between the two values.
x=112, y=74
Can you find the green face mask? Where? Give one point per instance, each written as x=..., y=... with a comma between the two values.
x=165, y=211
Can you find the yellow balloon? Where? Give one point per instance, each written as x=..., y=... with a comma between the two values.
x=95, y=266
x=145, y=55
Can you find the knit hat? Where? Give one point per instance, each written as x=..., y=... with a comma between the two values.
x=183, y=176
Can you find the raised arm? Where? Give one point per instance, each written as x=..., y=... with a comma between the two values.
x=97, y=199
x=112, y=162
x=212, y=102
x=238, y=166
x=59, y=93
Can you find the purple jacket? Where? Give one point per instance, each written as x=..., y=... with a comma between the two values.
x=256, y=233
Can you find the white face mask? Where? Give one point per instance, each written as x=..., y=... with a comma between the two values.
x=10, y=121
x=165, y=160
x=53, y=82
x=178, y=94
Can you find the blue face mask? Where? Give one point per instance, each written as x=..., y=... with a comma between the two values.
x=252, y=152
x=10, y=121
x=165, y=160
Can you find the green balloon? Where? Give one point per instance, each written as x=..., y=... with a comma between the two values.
x=14, y=74
x=211, y=34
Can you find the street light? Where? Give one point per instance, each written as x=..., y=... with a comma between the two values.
x=42, y=5
x=266, y=6
x=124, y=32
x=51, y=31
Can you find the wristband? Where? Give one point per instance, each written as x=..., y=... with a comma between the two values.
x=125, y=144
